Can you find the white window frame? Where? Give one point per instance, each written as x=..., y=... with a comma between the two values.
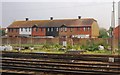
x=57, y=29
x=51, y=29
x=84, y=29
x=65, y=29
x=29, y=29
x=26, y=29
x=61, y=29
x=88, y=28
x=48, y=29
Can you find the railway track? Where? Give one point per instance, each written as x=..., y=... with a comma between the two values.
x=61, y=63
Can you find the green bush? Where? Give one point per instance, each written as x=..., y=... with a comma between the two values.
x=56, y=46
x=69, y=47
x=46, y=46
x=76, y=47
x=51, y=46
x=90, y=47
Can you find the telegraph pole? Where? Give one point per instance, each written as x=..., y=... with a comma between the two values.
x=113, y=26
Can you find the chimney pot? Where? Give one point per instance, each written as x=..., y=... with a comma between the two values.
x=79, y=17
x=51, y=18
x=26, y=19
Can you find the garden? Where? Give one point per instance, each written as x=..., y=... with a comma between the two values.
x=90, y=48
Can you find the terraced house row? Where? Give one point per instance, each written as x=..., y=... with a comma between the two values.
x=78, y=28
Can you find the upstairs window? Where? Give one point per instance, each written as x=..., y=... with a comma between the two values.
x=56, y=29
x=51, y=29
x=26, y=29
x=88, y=29
x=21, y=29
x=48, y=29
x=36, y=29
x=16, y=29
x=84, y=29
x=65, y=29
x=71, y=29
x=11, y=30
x=29, y=29
x=61, y=29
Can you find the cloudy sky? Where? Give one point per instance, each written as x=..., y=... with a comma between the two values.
x=13, y=10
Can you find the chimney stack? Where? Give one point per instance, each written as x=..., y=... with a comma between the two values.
x=26, y=19
x=51, y=18
x=79, y=17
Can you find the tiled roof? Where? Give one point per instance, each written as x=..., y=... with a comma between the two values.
x=2, y=28
x=53, y=23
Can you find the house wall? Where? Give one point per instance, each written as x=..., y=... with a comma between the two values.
x=13, y=32
x=52, y=31
x=95, y=30
x=39, y=32
x=75, y=31
x=83, y=31
x=116, y=32
x=26, y=31
x=68, y=32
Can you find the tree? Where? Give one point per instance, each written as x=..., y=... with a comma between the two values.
x=103, y=33
x=2, y=32
x=110, y=31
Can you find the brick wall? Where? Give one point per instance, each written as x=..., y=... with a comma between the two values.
x=85, y=41
x=39, y=32
x=117, y=32
x=13, y=32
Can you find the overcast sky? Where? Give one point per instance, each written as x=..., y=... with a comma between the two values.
x=34, y=9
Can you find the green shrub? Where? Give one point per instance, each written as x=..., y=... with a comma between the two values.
x=56, y=46
x=90, y=47
x=69, y=47
x=76, y=47
x=46, y=46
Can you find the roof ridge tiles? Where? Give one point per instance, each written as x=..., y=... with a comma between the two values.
x=51, y=23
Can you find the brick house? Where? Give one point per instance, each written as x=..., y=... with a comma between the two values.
x=80, y=28
x=14, y=29
x=76, y=28
x=117, y=32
